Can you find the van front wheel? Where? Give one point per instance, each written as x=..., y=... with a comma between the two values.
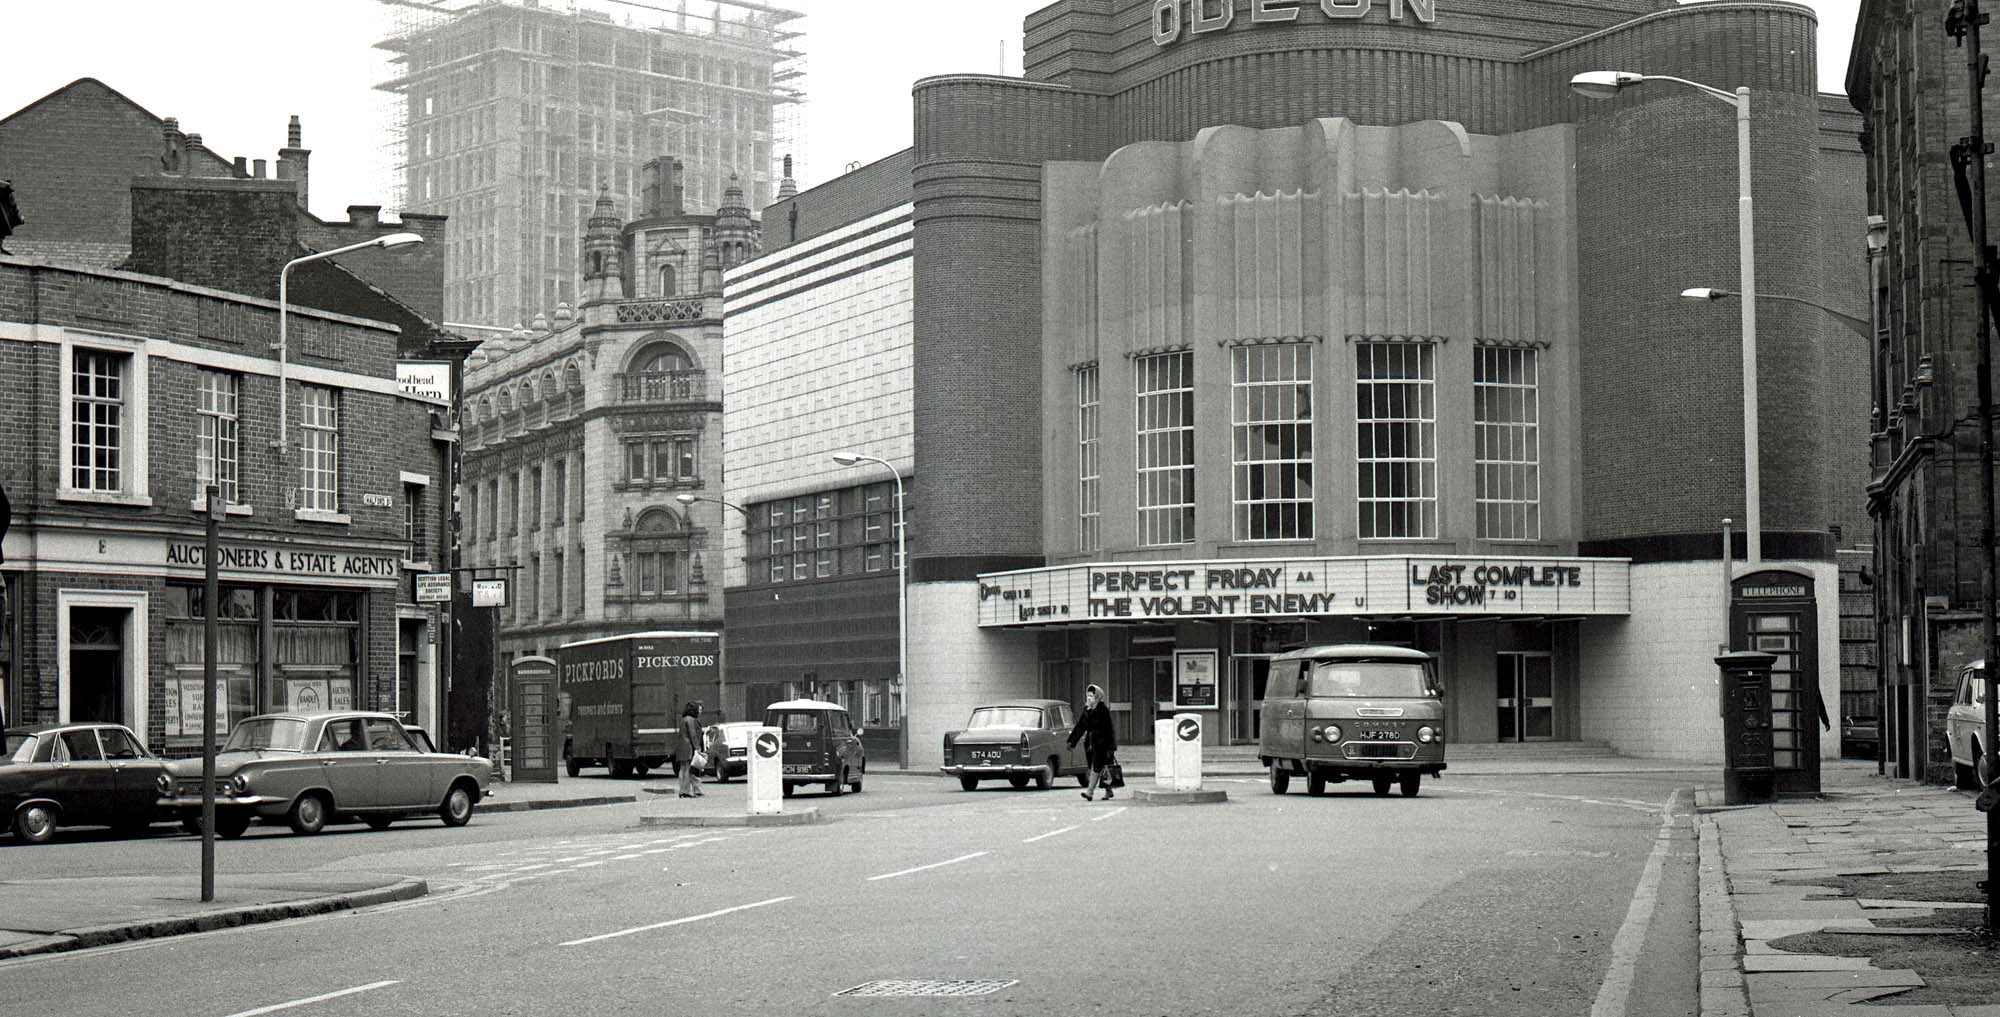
x=1281, y=779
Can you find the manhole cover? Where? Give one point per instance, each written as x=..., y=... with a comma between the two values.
x=928, y=987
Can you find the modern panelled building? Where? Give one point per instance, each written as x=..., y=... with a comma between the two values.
x=1240, y=326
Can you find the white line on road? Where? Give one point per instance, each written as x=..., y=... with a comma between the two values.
x=933, y=865
x=677, y=921
x=586, y=865
x=624, y=858
x=1615, y=995
x=1051, y=833
x=313, y=999
x=1108, y=815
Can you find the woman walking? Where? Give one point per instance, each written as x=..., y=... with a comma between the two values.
x=684, y=753
x=1100, y=742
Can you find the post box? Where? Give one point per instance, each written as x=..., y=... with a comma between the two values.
x=764, y=775
x=1746, y=726
x=1187, y=752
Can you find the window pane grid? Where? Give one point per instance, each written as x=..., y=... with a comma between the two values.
x=1396, y=440
x=1507, y=443
x=1165, y=410
x=1271, y=415
x=1087, y=476
x=97, y=407
x=215, y=460
x=319, y=448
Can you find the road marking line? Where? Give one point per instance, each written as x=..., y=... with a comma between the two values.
x=313, y=999
x=1615, y=995
x=1108, y=815
x=587, y=865
x=624, y=858
x=1051, y=833
x=933, y=865
x=677, y=921
x=572, y=858
x=654, y=851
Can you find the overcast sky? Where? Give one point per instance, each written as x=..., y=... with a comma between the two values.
x=233, y=71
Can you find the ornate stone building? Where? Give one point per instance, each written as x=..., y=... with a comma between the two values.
x=584, y=427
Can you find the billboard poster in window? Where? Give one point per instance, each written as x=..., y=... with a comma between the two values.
x=1194, y=680
x=306, y=694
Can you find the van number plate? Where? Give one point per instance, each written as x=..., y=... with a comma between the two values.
x=1378, y=736
x=797, y=768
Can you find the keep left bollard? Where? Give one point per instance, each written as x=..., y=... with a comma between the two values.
x=1177, y=765
x=764, y=776
x=1163, y=753
x=1187, y=752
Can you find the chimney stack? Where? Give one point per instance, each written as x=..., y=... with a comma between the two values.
x=787, y=187
x=259, y=164
x=242, y=166
x=292, y=158
x=678, y=190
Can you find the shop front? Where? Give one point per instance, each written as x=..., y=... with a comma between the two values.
x=1165, y=637
x=300, y=626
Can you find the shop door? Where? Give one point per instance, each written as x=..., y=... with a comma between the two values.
x=97, y=664
x=410, y=637
x=1133, y=702
x=1526, y=687
x=1247, y=678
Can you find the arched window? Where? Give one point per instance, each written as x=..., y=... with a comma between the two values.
x=573, y=379
x=527, y=392
x=657, y=548
x=666, y=280
x=662, y=357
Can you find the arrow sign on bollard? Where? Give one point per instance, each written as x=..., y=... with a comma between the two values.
x=1188, y=730
x=767, y=745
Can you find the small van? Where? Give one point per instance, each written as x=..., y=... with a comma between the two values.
x=822, y=746
x=1355, y=711
x=1964, y=724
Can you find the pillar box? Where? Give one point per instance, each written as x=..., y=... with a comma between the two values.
x=1746, y=726
x=764, y=774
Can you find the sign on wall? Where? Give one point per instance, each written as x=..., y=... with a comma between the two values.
x=1305, y=587
x=425, y=379
x=1177, y=19
x=433, y=587
x=489, y=593
x=1194, y=680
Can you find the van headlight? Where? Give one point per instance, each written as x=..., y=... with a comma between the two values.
x=1332, y=733
x=1429, y=734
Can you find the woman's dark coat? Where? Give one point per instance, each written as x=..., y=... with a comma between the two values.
x=1100, y=741
x=690, y=738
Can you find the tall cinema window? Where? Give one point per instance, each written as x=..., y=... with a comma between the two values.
x=1507, y=452
x=1271, y=390
x=1396, y=439
x=1165, y=405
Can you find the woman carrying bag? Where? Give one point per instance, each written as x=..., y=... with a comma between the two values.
x=689, y=748
x=1100, y=741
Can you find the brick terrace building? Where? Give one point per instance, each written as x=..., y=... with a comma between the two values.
x=584, y=429
x=1907, y=77
x=124, y=393
x=1242, y=326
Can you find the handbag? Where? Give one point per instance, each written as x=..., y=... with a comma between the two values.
x=1117, y=774
x=700, y=760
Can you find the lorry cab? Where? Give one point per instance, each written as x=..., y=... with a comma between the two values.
x=822, y=745
x=1353, y=711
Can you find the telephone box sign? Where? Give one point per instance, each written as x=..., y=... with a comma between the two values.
x=1304, y=587
x=1177, y=19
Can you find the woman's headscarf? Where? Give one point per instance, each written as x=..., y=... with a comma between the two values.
x=692, y=709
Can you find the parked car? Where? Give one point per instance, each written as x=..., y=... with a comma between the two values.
x=728, y=748
x=1358, y=711
x=311, y=769
x=1965, y=727
x=1860, y=736
x=1016, y=741
x=821, y=745
x=78, y=775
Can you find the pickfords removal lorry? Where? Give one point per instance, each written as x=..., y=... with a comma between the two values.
x=626, y=693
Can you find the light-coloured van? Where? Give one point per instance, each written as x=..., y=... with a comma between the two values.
x=1965, y=728
x=1354, y=711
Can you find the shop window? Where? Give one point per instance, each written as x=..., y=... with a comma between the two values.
x=1164, y=392
x=237, y=654
x=1396, y=439
x=1506, y=419
x=1087, y=476
x=1271, y=395
x=317, y=642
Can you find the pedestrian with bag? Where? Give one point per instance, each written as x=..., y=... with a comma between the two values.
x=688, y=750
x=1100, y=742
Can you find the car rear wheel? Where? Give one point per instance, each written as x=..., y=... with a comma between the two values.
x=788, y=790
x=1315, y=783
x=968, y=783
x=378, y=822
x=1382, y=782
x=308, y=815
x=620, y=769
x=1046, y=777
x=1281, y=779
x=855, y=784
x=1962, y=777
x=838, y=784
x=35, y=824
x=229, y=825
x=1979, y=769
x=1019, y=781
x=1412, y=780
x=457, y=807
x=641, y=769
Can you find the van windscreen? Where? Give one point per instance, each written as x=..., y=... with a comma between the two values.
x=1369, y=679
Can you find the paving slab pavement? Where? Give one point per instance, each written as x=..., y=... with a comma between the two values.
x=1862, y=824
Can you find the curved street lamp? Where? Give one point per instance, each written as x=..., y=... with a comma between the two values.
x=1712, y=293
x=1605, y=85
x=283, y=347
x=902, y=601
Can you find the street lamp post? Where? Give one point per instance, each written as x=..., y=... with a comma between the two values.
x=1604, y=85
x=721, y=645
x=902, y=603
x=283, y=346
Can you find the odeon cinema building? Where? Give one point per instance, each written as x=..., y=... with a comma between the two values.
x=1234, y=327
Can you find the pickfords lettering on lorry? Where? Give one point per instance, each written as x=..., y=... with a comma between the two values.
x=626, y=694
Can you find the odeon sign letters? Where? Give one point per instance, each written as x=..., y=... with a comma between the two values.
x=1295, y=587
x=1203, y=16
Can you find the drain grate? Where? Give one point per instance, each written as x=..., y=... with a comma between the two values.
x=928, y=987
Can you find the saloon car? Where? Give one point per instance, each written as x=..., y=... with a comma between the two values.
x=821, y=745
x=78, y=775
x=311, y=769
x=1965, y=726
x=1017, y=741
x=728, y=748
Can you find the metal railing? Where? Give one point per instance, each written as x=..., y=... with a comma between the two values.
x=663, y=386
